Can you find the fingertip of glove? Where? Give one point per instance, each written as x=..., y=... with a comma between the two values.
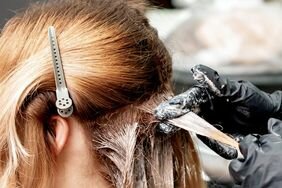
x=234, y=170
x=195, y=67
x=235, y=165
x=246, y=143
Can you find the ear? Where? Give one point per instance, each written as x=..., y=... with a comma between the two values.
x=60, y=128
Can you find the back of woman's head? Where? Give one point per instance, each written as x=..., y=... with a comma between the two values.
x=116, y=70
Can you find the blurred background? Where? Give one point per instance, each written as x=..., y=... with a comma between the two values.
x=241, y=39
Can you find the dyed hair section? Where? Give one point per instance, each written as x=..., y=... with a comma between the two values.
x=117, y=71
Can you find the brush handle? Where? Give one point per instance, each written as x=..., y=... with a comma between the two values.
x=222, y=150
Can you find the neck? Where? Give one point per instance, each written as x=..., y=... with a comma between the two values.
x=76, y=165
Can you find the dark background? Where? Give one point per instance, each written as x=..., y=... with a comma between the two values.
x=9, y=7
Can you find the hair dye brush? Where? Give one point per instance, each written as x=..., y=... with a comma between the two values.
x=175, y=114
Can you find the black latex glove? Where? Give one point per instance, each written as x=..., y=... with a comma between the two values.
x=262, y=163
x=238, y=106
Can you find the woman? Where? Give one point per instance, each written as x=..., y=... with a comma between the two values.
x=117, y=71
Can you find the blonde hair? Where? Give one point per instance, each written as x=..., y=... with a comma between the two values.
x=117, y=71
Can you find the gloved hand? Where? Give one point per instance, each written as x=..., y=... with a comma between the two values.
x=261, y=166
x=238, y=106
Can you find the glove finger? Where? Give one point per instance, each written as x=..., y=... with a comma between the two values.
x=177, y=100
x=236, y=170
x=268, y=141
x=167, y=128
x=209, y=78
x=274, y=126
x=221, y=149
x=181, y=104
x=168, y=111
x=250, y=142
